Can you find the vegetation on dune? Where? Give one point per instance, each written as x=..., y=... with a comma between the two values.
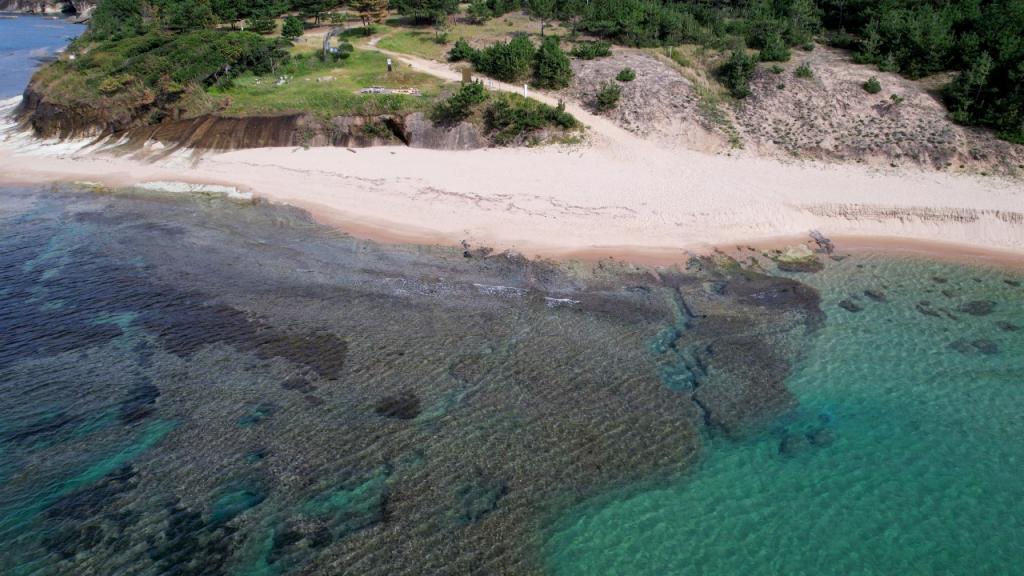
x=551, y=67
x=980, y=41
x=626, y=75
x=608, y=97
x=590, y=50
x=507, y=61
x=507, y=118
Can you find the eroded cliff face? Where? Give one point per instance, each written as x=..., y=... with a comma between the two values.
x=133, y=129
x=78, y=8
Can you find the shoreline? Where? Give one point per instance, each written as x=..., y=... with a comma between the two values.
x=631, y=200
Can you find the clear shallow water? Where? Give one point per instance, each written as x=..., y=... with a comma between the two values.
x=25, y=41
x=904, y=456
x=197, y=386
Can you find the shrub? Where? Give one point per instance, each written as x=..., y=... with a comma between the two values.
x=261, y=24
x=626, y=75
x=459, y=106
x=872, y=86
x=737, y=72
x=479, y=12
x=775, y=50
x=551, y=67
x=342, y=52
x=608, y=97
x=776, y=69
x=293, y=28
x=808, y=46
x=461, y=51
x=510, y=116
x=591, y=50
x=804, y=71
x=511, y=62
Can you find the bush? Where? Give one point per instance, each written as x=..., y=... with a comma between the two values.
x=626, y=75
x=591, y=50
x=461, y=51
x=512, y=62
x=608, y=97
x=261, y=24
x=479, y=12
x=775, y=50
x=426, y=11
x=872, y=86
x=293, y=28
x=510, y=116
x=804, y=71
x=776, y=69
x=459, y=106
x=343, y=51
x=551, y=67
x=737, y=72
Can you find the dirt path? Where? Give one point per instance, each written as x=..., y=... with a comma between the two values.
x=603, y=130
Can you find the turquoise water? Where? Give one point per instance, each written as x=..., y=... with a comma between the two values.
x=904, y=455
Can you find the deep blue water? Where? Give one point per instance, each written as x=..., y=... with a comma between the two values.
x=25, y=41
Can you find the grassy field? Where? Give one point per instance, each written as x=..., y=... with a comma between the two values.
x=421, y=41
x=330, y=89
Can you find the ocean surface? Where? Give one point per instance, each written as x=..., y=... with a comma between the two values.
x=904, y=456
x=199, y=385
x=194, y=384
x=25, y=41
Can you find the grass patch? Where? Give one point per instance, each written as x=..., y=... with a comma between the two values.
x=416, y=43
x=420, y=41
x=331, y=89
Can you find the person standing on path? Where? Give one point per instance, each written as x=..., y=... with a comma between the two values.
x=389, y=64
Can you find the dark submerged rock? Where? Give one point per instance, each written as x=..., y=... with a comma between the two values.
x=479, y=498
x=985, y=346
x=876, y=295
x=850, y=306
x=404, y=406
x=793, y=444
x=298, y=383
x=821, y=437
x=978, y=307
x=1007, y=326
x=924, y=307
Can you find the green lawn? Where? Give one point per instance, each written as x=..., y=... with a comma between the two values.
x=330, y=89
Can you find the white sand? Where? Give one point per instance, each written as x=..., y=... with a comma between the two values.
x=620, y=196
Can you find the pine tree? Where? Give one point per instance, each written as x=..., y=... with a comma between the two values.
x=551, y=67
x=370, y=11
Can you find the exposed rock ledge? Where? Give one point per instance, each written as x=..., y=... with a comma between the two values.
x=78, y=8
x=217, y=132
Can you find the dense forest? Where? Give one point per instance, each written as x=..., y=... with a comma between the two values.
x=981, y=41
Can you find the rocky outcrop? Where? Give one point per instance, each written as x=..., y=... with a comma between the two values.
x=132, y=129
x=420, y=132
x=77, y=8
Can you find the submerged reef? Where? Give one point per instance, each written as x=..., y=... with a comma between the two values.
x=343, y=407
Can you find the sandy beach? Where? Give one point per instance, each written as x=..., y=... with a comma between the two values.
x=618, y=196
